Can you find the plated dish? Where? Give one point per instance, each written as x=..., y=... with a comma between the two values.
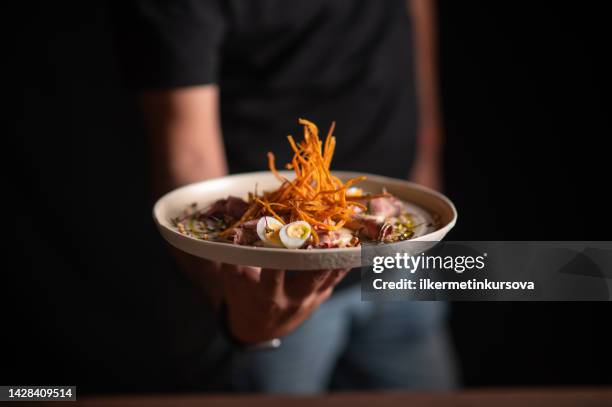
x=219, y=219
x=314, y=209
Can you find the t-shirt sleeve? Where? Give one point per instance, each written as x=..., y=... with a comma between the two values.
x=167, y=44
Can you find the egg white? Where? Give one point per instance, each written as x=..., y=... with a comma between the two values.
x=272, y=223
x=291, y=242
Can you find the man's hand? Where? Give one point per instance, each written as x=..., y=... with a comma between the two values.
x=261, y=304
x=264, y=304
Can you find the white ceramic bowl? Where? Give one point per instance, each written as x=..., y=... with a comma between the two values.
x=428, y=203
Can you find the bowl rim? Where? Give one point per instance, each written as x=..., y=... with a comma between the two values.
x=371, y=177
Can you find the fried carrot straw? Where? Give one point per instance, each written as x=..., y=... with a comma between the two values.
x=314, y=195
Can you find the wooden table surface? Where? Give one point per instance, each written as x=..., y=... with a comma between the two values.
x=554, y=397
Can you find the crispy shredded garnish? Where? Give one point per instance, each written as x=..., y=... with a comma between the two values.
x=314, y=195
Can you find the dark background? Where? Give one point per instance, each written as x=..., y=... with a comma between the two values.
x=525, y=124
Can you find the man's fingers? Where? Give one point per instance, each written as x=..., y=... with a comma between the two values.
x=272, y=280
x=230, y=271
x=251, y=274
x=230, y=274
x=233, y=274
x=334, y=278
x=323, y=296
x=306, y=282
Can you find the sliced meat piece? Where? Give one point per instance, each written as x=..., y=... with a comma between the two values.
x=374, y=227
x=385, y=232
x=386, y=206
x=336, y=238
x=246, y=234
x=232, y=207
x=343, y=237
x=236, y=207
x=217, y=209
x=327, y=239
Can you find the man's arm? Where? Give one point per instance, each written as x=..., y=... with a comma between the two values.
x=187, y=145
x=427, y=167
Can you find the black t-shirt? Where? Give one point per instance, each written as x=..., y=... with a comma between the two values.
x=277, y=60
x=89, y=267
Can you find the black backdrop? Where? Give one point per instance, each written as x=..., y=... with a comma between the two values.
x=525, y=124
x=524, y=104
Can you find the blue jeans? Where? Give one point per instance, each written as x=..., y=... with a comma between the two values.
x=350, y=344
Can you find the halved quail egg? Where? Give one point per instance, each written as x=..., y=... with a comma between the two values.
x=295, y=234
x=268, y=229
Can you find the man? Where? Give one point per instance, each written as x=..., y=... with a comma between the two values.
x=222, y=83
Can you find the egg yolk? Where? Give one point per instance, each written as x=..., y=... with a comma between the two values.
x=297, y=231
